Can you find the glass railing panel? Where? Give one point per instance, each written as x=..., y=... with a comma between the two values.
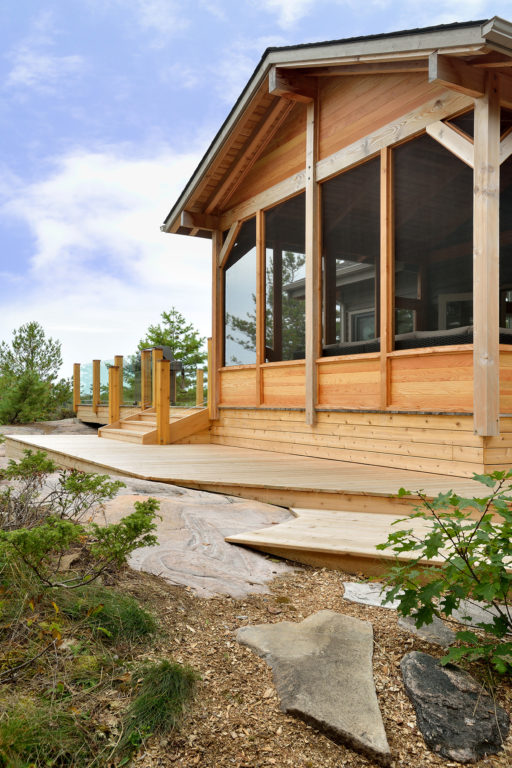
x=104, y=366
x=130, y=394
x=86, y=383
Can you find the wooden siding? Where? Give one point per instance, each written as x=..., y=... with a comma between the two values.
x=283, y=384
x=505, y=380
x=284, y=156
x=441, y=381
x=349, y=383
x=344, y=113
x=238, y=385
x=428, y=443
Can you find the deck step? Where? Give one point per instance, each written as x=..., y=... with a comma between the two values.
x=140, y=426
x=333, y=539
x=114, y=433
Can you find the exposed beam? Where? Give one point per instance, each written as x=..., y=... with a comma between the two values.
x=290, y=85
x=199, y=221
x=486, y=236
x=312, y=268
x=506, y=147
x=456, y=75
x=387, y=274
x=453, y=141
x=250, y=152
x=370, y=68
x=225, y=247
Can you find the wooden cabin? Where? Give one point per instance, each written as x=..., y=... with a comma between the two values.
x=359, y=202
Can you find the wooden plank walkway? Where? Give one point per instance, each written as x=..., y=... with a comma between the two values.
x=331, y=539
x=276, y=478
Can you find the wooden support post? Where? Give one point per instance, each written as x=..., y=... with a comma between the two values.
x=260, y=304
x=118, y=361
x=486, y=235
x=217, y=354
x=162, y=403
x=76, y=386
x=312, y=266
x=199, y=386
x=145, y=378
x=96, y=365
x=387, y=274
x=157, y=354
x=114, y=394
x=172, y=384
x=210, y=376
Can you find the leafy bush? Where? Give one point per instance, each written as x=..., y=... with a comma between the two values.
x=110, y=614
x=471, y=540
x=163, y=690
x=31, y=496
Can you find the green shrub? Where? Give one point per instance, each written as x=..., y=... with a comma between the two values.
x=472, y=541
x=110, y=614
x=163, y=691
x=31, y=495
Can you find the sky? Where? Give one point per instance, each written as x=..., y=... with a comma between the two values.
x=106, y=108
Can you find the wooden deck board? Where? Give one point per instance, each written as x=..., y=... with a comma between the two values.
x=266, y=476
x=344, y=540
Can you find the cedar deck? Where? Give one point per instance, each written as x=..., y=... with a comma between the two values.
x=337, y=501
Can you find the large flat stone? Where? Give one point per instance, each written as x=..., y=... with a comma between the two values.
x=322, y=670
x=368, y=593
x=456, y=716
x=437, y=632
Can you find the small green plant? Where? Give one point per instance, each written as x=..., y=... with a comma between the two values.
x=470, y=540
x=31, y=495
x=162, y=693
x=108, y=613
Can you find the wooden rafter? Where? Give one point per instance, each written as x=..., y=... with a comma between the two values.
x=506, y=147
x=250, y=153
x=228, y=243
x=491, y=60
x=456, y=75
x=287, y=84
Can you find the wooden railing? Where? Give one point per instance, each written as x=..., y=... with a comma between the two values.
x=157, y=384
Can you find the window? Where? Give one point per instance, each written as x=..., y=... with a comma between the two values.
x=433, y=246
x=351, y=252
x=240, y=298
x=285, y=281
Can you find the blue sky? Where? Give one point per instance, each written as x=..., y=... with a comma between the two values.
x=106, y=107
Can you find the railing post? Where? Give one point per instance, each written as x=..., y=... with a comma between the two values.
x=145, y=378
x=157, y=354
x=114, y=399
x=96, y=385
x=163, y=392
x=118, y=363
x=210, y=374
x=199, y=386
x=76, y=386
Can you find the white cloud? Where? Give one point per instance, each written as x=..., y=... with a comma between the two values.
x=181, y=76
x=101, y=271
x=34, y=64
x=289, y=12
x=234, y=69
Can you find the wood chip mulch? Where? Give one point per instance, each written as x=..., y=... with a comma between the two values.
x=235, y=720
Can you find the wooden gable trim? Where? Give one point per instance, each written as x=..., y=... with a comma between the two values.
x=250, y=152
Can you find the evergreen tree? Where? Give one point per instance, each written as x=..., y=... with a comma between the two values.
x=186, y=344
x=29, y=367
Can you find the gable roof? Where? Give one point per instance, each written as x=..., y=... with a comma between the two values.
x=462, y=38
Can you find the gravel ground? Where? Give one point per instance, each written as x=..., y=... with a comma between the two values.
x=236, y=720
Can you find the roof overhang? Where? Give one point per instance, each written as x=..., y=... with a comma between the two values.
x=463, y=40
